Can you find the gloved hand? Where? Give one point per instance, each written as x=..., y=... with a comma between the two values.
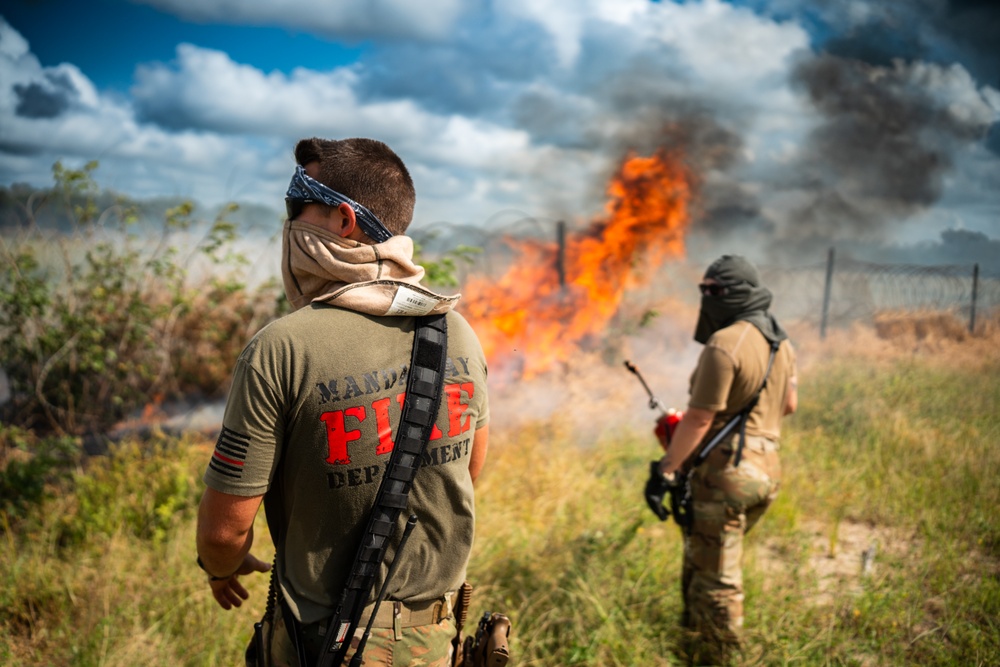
x=656, y=489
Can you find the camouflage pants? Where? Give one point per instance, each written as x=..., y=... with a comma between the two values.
x=728, y=502
x=424, y=645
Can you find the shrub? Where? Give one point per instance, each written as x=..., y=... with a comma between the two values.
x=94, y=323
x=142, y=491
x=30, y=468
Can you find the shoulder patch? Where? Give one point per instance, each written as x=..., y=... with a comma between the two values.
x=230, y=453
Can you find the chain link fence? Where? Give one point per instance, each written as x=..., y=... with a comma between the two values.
x=838, y=291
x=830, y=292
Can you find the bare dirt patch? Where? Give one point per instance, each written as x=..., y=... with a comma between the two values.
x=839, y=557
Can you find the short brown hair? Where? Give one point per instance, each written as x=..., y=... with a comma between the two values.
x=367, y=171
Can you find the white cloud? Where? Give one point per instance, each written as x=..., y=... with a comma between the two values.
x=13, y=46
x=237, y=127
x=566, y=20
x=136, y=158
x=207, y=89
x=354, y=20
x=207, y=126
x=561, y=20
x=728, y=48
x=511, y=126
x=955, y=89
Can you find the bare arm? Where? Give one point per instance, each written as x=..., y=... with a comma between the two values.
x=689, y=433
x=480, y=443
x=225, y=534
x=791, y=396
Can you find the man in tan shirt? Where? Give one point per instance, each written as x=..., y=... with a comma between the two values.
x=728, y=499
x=314, y=415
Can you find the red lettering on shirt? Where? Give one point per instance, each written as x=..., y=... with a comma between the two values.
x=381, y=408
x=337, y=435
x=456, y=408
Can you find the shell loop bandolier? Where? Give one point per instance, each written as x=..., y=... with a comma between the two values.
x=424, y=387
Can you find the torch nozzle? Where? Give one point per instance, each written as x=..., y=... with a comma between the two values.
x=654, y=402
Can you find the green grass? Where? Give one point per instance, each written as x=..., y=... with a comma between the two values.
x=903, y=455
x=906, y=455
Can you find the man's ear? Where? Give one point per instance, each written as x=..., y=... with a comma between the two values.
x=349, y=222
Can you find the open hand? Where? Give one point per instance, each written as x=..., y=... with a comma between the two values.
x=230, y=592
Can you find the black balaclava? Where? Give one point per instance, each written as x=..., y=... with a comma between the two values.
x=745, y=299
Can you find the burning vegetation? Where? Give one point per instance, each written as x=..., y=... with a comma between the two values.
x=534, y=316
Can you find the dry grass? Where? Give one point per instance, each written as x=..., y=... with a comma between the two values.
x=934, y=338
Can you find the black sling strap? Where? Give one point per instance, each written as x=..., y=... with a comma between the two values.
x=420, y=408
x=740, y=419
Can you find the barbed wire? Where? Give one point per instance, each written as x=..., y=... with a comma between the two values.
x=858, y=290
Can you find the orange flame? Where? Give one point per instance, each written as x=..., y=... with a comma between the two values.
x=527, y=314
x=152, y=410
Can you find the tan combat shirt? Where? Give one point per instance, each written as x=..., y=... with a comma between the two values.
x=311, y=417
x=730, y=371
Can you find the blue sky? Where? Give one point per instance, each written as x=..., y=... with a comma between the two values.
x=809, y=122
x=107, y=38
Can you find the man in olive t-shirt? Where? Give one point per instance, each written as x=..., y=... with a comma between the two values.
x=728, y=500
x=312, y=415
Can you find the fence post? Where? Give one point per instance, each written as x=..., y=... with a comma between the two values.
x=826, y=294
x=561, y=253
x=975, y=290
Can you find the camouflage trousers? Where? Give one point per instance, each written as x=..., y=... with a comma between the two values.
x=424, y=645
x=728, y=502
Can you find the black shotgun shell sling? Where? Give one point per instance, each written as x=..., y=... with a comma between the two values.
x=420, y=408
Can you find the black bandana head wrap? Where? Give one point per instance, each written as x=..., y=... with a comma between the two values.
x=744, y=299
x=306, y=189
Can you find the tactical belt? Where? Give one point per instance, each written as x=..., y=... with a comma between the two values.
x=420, y=409
x=409, y=615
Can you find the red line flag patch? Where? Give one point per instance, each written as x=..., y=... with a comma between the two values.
x=230, y=453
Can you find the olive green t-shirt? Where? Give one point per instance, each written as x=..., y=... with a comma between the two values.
x=310, y=422
x=730, y=371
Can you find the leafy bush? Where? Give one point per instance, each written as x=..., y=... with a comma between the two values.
x=143, y=491
x=443, y=271
x=29, y=469
x=99, y=322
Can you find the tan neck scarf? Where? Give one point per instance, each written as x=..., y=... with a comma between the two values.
x=318, y=266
